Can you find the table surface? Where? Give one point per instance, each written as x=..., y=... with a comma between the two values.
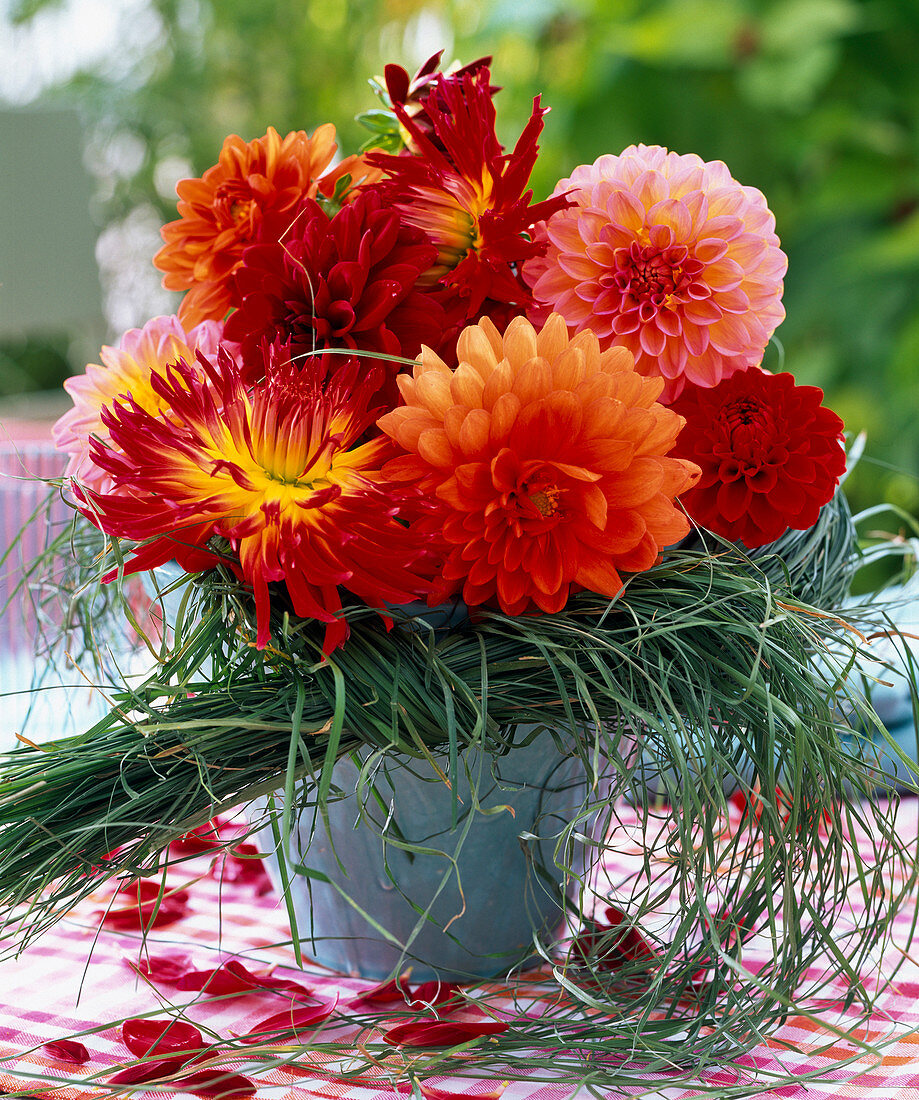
x=80, y=981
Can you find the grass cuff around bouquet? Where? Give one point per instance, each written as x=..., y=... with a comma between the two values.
x=425, y=480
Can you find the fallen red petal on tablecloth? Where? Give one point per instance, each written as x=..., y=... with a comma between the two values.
x=458, y=1026
x=233, y=977
x=166, y=968
x=218, y=1084
x=154, y=907
x=143, y=1037
x=67, y=1050
x=290, y=1023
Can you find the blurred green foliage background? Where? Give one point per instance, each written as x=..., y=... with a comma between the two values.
x=816, y=102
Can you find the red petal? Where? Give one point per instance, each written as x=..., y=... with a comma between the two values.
x=244, y=864
x=146, y=890
x=433, y=993
x=167, y=968
x=233, y=977
x=168, y=906
x=143, y=1037
x=147, y=1071
x=435, y=1092
x=203, y=839
x=291, y=1021
x=633, y=944
x=385, y=993
x=451, y=1028
x=148, y=915
x=282, y=985
x=67, y=1050
x=397, y=83
x=217, y=1083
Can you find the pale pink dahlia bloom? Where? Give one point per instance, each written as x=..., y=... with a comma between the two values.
x=668, y=256
x=126, y=372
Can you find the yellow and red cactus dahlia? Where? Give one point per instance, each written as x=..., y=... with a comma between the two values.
x=220, y=213
x=665, y=255
x=547, y=459
x=279, y=471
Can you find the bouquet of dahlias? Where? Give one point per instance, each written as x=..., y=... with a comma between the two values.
x=395, y=382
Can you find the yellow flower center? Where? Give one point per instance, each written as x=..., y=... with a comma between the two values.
x=546, y=500
x=451, y=222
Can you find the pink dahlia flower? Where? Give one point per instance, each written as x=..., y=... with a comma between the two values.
x=125, y=372
x=665, y=255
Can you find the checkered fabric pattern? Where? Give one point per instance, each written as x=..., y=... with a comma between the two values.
x=79, y=981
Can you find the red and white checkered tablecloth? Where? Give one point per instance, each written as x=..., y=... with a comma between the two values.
x=78, y=982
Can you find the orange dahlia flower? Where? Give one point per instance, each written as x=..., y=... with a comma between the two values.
x=125, y=372
x=547, y=459
x=220, y=213
x=668, y=256
x=283, y=472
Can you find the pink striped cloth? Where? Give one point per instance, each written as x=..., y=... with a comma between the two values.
x=80, y=980
x=27, y=460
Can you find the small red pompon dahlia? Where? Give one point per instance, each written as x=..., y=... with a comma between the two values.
x=280, y=472
x=547, y=460
x=469, y=198
x=668, y=256
x=341, y=282
x=126, y=371
x=771, y=455
x=220, y=213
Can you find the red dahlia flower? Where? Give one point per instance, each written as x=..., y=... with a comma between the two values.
x=668, y=256
x=469, y=199
x=278, y=472
x=341, y=282
x=771, y=455
x=545, y=462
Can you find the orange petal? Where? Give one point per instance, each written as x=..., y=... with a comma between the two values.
x=474, y=346
x=520, y=342
x=434, y=447
x=473, y=435
x=597, y=574
x=552, y=338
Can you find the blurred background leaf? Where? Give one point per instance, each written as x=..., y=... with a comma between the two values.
x=815, y=102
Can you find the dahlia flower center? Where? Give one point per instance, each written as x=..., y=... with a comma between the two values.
x=749, y=431
x=282, y=478
x=451, y=228
x=546, y=499
x=535, y=497
x=653, y=276
x=233, y=204
x=286, y=458
x=286, y=473
x=743, y=412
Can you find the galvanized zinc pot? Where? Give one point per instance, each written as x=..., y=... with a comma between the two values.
x=406, y=876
